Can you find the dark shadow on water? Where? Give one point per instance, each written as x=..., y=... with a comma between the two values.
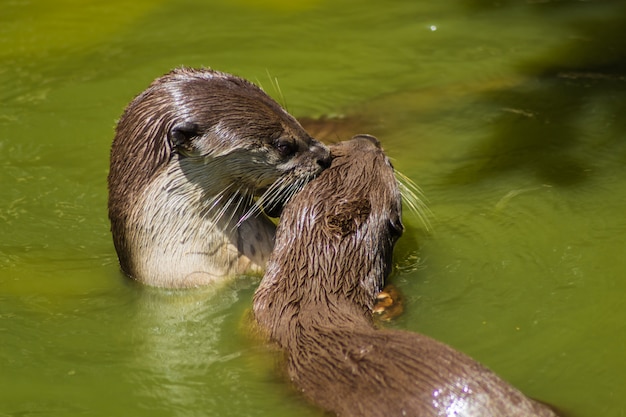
x=540, y=127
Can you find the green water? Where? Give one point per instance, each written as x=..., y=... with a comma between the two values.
x=509, y=115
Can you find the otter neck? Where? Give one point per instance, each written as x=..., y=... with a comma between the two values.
x=186, y=233
x=290, y=308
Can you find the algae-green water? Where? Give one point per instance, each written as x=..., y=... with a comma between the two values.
x=509, y=115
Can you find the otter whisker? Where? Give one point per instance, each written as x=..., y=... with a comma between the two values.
x=216, y=200
x=274, y=82
x=232, y=206
x=284, y=192
x=240, y=198
x=413, y=196
x=271, y=195
x=297, y=186
x=220, y=210
x=246, y=204
x=254, y=208
x=280, y=192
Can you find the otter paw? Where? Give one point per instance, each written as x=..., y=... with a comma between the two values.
x=389, y=303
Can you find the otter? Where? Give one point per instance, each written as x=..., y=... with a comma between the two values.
x=332, y=253
x=196, y=158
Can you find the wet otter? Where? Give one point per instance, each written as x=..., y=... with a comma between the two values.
x=333, y=249
x=189, y=156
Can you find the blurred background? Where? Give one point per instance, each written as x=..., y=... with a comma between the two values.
x=510, y=115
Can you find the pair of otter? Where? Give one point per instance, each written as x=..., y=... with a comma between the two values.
x=191, y=154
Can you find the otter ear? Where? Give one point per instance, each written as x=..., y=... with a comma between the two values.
x=181, y=134
x=346, y=217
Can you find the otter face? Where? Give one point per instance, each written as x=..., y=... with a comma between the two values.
x=254, y=143
x=260, y=149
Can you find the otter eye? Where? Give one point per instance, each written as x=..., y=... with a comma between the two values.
x=285, y=146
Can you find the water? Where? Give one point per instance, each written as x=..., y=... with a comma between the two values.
x=509, y=115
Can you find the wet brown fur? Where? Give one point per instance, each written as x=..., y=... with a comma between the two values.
x=332, y=253
x=193, y=143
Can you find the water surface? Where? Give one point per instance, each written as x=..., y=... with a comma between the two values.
x=508, y=114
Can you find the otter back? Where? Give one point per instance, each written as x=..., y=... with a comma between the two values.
x=332, y=253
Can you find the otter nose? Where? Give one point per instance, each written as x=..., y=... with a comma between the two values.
x=322, y=154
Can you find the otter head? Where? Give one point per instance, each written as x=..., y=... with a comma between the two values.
x=366, y=206
x=335, y=239
x=206, y=143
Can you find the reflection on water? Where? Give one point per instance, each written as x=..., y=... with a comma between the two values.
x=509, y=115
x=193, y=353
x=171, y=359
